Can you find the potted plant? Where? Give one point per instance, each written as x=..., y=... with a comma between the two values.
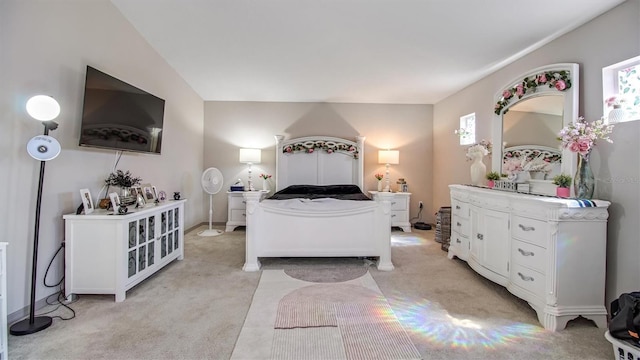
x=492, y=176
x=564, y=182
x=123, y=180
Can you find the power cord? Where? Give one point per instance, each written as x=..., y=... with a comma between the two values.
x=59, y=295
x=420, y=224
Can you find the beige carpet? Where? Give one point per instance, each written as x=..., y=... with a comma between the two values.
x=307, y=320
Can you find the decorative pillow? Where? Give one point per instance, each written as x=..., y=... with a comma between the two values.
x=343, y=192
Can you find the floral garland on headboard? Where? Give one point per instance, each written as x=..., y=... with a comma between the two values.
x=561, y=80
x=324, y=145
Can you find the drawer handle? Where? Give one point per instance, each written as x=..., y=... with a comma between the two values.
x=525, y=278
x=458, y=224
x=480, y=236
x=457, y=207
x=244, y=214
x=393, y=215
x=526, y=253
x=393, y=203
x=526, y=228
x=458, y=241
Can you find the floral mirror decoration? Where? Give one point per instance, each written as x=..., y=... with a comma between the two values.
x=560, y=80
x=322, y=145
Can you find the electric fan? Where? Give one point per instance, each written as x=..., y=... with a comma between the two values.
x=211, y=183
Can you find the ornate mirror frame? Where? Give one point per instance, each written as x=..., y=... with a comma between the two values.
x=545, y=80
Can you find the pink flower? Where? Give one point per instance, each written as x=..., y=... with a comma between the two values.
x=310, y=150
x=288, y=149
x=560, y=85
x=519, y=90
x=506, y=94
x=330, y=151
x=574, y=146
x=542, y=79
x=352, y=149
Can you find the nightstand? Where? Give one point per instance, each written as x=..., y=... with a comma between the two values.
x=236, y=207
x=399, y=209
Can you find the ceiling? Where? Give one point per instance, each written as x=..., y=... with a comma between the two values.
x=355, y=51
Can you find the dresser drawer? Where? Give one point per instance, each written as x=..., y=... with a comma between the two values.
x=238, y=215
x=399, y=203
x=459, y=208
x=528, y=279
x=530, y=230
x=529, y=255
x=236, y=202
x=461, y=226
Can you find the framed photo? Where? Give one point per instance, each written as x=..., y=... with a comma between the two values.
x=134, y=192
x=115, y=201
x=140, y=201
x=87, y=202
x=149, y=193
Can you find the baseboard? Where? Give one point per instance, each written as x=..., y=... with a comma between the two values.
x=24, y=312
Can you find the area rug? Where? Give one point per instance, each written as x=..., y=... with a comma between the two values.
x=295, y=319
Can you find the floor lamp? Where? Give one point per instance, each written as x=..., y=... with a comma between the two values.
x=43, y=148
x=250, y=156
x=388, y=157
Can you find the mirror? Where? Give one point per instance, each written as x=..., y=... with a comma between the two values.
x=532, y=109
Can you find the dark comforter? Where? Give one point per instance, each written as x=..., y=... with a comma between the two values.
x=342, y=192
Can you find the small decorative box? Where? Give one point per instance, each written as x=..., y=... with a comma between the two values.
x=237, y=188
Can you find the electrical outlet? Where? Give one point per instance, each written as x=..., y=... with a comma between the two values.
x=420, y=204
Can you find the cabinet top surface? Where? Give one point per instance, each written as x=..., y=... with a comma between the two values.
x=101, y=214
x=550, y=200
x=373, y=192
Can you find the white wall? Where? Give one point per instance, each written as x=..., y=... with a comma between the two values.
x=608, y=39
x=407, y=128
x=46, y=46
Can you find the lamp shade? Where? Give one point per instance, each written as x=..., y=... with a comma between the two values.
x=388, y=157
x=43, y=108
x=250, y=156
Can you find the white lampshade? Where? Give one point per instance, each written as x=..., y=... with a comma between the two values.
x=250, y=156
x=388, y=157
x=43, y=108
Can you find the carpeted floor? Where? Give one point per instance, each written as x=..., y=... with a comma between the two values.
x=196, y=308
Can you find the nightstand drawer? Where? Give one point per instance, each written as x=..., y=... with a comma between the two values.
x=529, y=255
x=238, y=215
x=399, y=203
x=530, y=230
x=397, y=216
x=236, y=202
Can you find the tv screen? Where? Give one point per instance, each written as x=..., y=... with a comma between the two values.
x=119, y=116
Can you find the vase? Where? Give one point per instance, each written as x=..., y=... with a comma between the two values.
x=537, y=175
x=562, y=192
x=616, y=115
x=379, y=185
x=491, y=184
x=478, y=171
x=265, y=185
x=584, y=181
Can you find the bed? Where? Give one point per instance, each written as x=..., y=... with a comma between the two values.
x=307, y=221
x=538, y=160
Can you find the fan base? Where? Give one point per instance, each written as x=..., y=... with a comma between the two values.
x=210, y=232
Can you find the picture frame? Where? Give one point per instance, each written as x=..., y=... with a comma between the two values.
x=87, y=202
x=115, y=201
x=134, y=191
x=149, y=195
x=140, y=201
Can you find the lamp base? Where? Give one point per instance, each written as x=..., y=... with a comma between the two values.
x=25, y=327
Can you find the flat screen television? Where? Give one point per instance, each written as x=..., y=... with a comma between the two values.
x=120, y=116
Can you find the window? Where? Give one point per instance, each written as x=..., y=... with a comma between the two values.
x=467, y=130
x=621, y=88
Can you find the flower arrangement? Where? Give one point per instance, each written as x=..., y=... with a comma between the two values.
x=554, y=79
x=122, y=179
x=512, y=166
x=562, y=180
x=379, y=176
x=581, y=136
x=493, y=175
x=481, y=149
x=265, y=176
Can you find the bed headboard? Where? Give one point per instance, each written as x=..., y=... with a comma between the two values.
x=531, y=152
x=319, y=160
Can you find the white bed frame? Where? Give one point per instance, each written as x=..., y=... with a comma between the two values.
x=277, y=232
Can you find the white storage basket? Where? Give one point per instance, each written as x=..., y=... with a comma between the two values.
x=623, y=350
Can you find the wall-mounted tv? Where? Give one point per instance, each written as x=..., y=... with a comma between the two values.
x=119, y=116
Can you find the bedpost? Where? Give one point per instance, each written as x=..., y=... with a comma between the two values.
x=252, y=198
x=279, y=139
x=360, y=142
x=383, y=231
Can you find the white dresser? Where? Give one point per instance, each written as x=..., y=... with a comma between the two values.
x=548, y=251
x=109, y=254
x=399, y=209
x=236, y=209
x=4, y=350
